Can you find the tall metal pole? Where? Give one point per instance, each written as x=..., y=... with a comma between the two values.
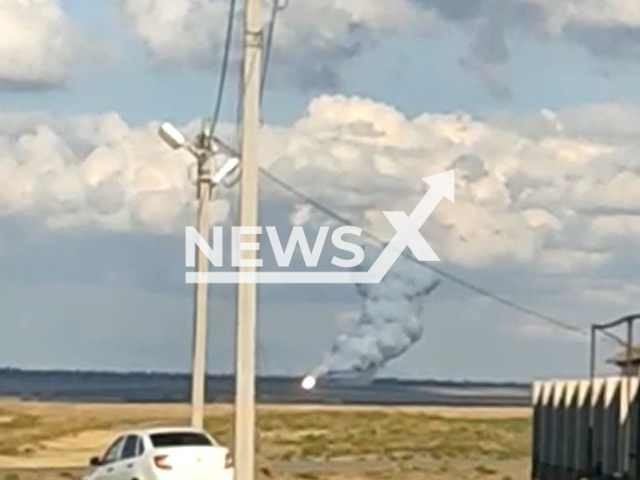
x=198, y=370
x=245, y=415
x=626, y=445
x=592, y=376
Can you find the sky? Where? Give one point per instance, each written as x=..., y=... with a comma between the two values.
x=534, y=103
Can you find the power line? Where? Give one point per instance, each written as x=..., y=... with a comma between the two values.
x=225, y=66
x=276, y=8
x=449, y=276
x=268, y=47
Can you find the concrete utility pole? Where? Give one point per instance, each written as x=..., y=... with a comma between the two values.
x=245, y=416
x=199, y=367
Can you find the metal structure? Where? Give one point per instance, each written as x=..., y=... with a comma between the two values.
x=580, y=429
x=604, y=328
x=589, y=428
x=625, y=437
x=203, y=149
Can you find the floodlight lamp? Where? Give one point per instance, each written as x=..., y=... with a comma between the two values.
x=172, y=136
x=226, y=169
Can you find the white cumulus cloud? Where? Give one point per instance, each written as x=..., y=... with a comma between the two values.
x=312, y=38
x=93, y=172
x=553, y=190
x=38, y=43
x=529, y=190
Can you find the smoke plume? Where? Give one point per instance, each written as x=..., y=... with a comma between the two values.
x=391, y=321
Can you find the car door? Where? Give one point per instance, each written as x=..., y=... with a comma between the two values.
x=107, y=468
x=127, y=466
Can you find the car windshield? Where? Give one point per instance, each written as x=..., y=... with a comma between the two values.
x=180, y=439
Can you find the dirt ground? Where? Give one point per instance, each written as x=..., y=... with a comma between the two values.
x=295, y=442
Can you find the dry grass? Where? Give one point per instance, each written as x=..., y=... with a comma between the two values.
x=407, y=443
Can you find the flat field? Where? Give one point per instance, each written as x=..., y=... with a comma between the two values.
x=47, y=441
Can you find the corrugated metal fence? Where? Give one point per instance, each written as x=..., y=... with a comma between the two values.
x=582, y=429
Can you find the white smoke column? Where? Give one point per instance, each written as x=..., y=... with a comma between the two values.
x=391, y=321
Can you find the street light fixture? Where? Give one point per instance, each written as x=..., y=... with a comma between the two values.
x=172, y=136
x=206, y=145
x=203, y=149
x=226, y=169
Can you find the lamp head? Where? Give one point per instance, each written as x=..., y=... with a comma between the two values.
x=172, y=136
x=226, y=169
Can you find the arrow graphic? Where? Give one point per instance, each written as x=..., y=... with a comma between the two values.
x=407, y=236
x=408, y=227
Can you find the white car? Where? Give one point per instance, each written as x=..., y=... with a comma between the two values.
x=163, y=454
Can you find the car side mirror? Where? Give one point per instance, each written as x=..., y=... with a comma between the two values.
x=95, y=462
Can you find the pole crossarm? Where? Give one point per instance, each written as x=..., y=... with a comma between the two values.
x=616, y=323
